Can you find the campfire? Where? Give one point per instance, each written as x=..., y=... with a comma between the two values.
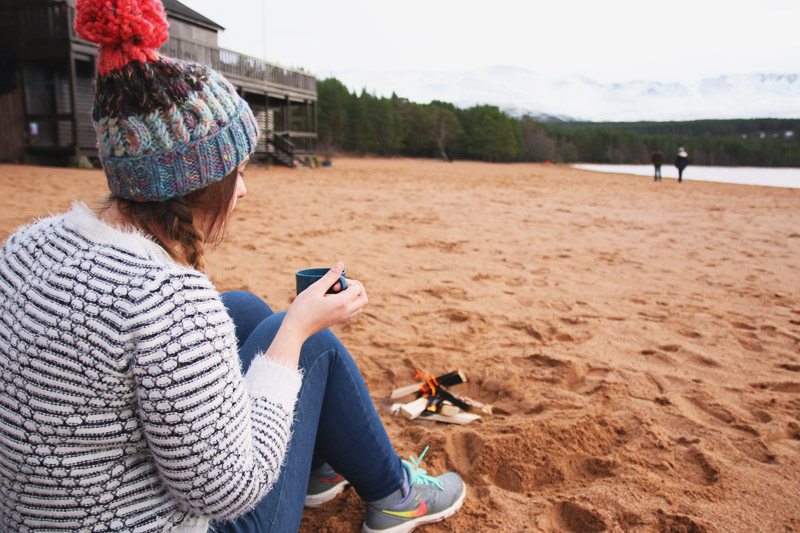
x=433, y=401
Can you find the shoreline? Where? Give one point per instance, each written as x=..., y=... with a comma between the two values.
x=785, y=177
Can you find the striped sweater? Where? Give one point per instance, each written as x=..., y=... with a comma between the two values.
x=122, y=402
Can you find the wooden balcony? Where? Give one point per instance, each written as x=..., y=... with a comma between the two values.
x=250, y=72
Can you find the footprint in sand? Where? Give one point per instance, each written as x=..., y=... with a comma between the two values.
x=525, y=301
x=517, y=477
x=527, y=328
x=545, y=361
x=659, y=356
x=721, y=413
x=747, y=336
x=674, y=523
x=548, y=332
x=701, y=360
x=750, y=342
x=443, y=292
x=756, y=449
x=443, y=246
x=578, y=330
x=464, y=450
x=627, y=520
x=582, y=468
x=457, y=315
x=516, y=282
x=761, y=416
x=689, y=333
x=576, y=518
x=651, y=316
x=578, y=378
x=781, y=386
x=693, y=466
x=712, y=407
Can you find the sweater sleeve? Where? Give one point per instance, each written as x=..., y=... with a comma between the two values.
x=217, y=439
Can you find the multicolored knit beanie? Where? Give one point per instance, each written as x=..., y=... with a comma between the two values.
x=165, y=127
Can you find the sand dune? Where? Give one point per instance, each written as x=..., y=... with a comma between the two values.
x=640, y=341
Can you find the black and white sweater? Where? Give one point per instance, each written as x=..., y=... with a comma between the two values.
x=122, y=402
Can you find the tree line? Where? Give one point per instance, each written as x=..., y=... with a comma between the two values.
x=362, y=123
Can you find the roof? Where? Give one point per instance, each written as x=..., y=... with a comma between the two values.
x=178, y=10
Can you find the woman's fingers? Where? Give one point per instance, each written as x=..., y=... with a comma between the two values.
x=331, y=279
x=360, y=299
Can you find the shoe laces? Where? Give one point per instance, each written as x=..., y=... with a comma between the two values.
x=421, y=476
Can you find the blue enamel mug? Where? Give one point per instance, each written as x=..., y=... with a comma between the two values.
x=308, y=276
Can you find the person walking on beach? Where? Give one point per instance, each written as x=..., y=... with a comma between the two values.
x=681, y=160
x=137, y=397
x=658, y=159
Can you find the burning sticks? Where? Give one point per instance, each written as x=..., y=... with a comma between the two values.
x=434, y=402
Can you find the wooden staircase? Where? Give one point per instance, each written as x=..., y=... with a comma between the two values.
x=283, y=153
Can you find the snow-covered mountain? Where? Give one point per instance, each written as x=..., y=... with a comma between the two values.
x=519, y=91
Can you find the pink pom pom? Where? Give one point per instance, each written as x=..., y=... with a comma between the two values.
x=125, y=30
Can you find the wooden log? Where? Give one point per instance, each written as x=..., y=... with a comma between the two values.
x=405, y=391
x=446, y=395
x=459, y=417
x=465, y=403
x=449, y=410
x=412, y=410
x=455, y=377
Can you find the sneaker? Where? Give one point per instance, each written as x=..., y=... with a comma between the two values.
x=421, y=500
x=324, y=484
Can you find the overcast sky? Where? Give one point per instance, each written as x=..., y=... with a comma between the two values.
x=608, y=41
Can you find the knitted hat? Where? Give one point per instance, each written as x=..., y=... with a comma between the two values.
x=165, y=127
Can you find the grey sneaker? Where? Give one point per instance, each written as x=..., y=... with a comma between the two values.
x=324, y=484
x=423, y=499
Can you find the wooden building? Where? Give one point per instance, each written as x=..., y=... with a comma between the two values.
x=47, y=72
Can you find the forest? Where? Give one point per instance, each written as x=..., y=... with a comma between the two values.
x=362, y=123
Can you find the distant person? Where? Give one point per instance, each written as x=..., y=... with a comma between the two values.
x=681, y=161
x=658, y=159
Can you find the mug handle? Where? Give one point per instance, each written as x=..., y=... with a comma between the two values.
x=343, y=281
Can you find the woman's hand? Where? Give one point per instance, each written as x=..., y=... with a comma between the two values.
x=313, y=310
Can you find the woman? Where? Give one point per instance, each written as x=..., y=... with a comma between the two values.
x=133, y=396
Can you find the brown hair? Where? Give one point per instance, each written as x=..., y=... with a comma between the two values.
x=171, y=223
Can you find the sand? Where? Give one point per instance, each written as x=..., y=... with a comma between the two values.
x=640, y=341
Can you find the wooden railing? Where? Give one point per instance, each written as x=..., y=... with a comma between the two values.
x=236, y=64
x=286, y=152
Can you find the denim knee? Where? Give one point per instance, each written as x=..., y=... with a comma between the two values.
x=321, y=344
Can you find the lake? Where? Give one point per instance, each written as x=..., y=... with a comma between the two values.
x=771, y=177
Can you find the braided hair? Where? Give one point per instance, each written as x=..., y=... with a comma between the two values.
x=175, y=223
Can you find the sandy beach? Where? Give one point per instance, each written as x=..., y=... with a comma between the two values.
x=639, y=341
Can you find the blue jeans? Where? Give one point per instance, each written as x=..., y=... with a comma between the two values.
x=335, y=422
